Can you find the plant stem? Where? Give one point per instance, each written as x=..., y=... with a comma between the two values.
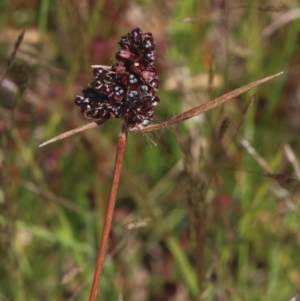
x=109, y=215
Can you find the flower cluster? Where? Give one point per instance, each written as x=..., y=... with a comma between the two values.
x=127, y=89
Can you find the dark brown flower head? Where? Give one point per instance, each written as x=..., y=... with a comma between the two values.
x=126, y=90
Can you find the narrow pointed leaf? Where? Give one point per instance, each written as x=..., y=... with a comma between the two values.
x=202, y=108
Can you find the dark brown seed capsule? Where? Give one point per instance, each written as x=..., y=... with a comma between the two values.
x=100, y=73
x=150, y=56
x=106, y=89
x=117, y=110
x=118, y=93
x=127, y=89
x=78, y=100
x=135, y=38
x=96, y=84
x=133, y=79
x=148, y=44
x=155, y=101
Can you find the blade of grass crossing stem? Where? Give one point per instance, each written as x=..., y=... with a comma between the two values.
x=109, y=215
x=184, y=265
x=13, y=55
x=43, y=17
x=274, y=264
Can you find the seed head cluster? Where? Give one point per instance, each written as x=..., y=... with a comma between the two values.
x=126, y=90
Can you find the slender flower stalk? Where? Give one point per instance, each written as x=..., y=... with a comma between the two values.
x=127, y=91
x=109, y=215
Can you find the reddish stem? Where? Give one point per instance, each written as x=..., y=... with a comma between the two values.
x=109, y=215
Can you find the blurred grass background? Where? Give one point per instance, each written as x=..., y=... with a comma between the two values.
x=219, y=208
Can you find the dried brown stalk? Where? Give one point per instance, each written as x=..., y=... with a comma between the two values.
x=13, y=55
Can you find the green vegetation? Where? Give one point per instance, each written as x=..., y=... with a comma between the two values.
x=220, y=209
